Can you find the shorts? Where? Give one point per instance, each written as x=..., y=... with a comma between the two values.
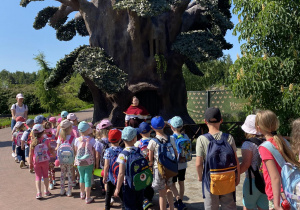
x=256, y=199
x=211, y=201
x=158, y=182
x=180, y=176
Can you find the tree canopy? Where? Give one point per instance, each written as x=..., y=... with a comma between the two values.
x=268, y=70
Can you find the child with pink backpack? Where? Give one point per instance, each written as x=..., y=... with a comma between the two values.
x=65, y=154
x=39, y=158
x=85, y=160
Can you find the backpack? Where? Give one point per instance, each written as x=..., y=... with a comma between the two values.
x=15, y=106
x=113, y=166
x=138, y=174
x=183, y=147
x=167, y=162
x=258, y=173
x=84, y=155
x=144, y=148
x=290, y=175
x=220, y=166
x=29, y=136
x=41, y=152
x=53, y=145
x=106, y=145
x=18, y=138
x=65, y=152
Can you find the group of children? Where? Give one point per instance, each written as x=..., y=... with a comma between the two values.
x=129, y=158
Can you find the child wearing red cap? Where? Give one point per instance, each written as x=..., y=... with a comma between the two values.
x=111, y=154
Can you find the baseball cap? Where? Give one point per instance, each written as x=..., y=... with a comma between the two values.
x=20, y=95
x=91, y=124
x=128, y=133
x=213, y=115
x=114, y=135
x=157, y=122
x=65, y=124
x=64, y=114
x=20, y=119
x=29, y=122
x=52, y=119
x=38, y=119
x=83, y=126
x=103, y=124
x=71, y=116
x=176, y=122
x=38, y=128
x=144, y=128
x=19, y=124
x=249, y=125
x=59, y=120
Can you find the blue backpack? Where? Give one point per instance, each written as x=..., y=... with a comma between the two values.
x=290, y=175
x=138, y=174
x=183, y=147
x=167, y=161
x=220, y=166
x=113, y=167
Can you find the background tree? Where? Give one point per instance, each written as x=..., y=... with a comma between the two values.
x=268, y=72
x=137, y=48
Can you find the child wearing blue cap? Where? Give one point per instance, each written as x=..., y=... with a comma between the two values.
x=159, y=183
x=132, y=199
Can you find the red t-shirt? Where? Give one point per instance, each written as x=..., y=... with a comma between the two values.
x=265, y=154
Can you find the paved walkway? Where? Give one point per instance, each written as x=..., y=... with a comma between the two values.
x=17, y=186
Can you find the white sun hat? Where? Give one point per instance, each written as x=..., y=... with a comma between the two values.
x=249, y=125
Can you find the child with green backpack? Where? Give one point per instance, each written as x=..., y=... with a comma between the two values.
x=135, y=169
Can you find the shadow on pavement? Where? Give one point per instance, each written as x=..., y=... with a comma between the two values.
x=5, y=143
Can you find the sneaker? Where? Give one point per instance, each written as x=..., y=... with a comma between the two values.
x=54, y=182
x=69, y=193
x=51, y=187
x=89, y=200
x=47, y=193
x=181, y=206
x=13, y=154
x=31, y=171
x=176, y=204
x=38, y=196
x=82, y=196
x=22, y=164
x=16, y=159
x=62, y=191
x=112, y=201
x=146, y=204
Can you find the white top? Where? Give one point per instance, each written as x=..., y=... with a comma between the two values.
x=68, y=138
x=128, y=117
x=20, y=111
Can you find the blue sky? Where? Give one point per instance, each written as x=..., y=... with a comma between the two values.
x=20, y=42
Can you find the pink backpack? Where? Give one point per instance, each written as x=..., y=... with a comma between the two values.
x=41, y=152
x=85, y=156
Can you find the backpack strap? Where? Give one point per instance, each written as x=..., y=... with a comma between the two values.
x=71, y=139
x=210, y=138
x=276, y=154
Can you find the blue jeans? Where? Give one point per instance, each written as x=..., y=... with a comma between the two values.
x=12, y=125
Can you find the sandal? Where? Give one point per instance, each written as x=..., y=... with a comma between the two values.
x=47, y=193
x=89, y=200
x=82, y=196
x=38, y=196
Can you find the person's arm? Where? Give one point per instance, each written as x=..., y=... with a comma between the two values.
x=247, y=159
x=31, y=158
x=97, y=159
x=275, y=182
x=120, y=179
x=26, y=114
x=94, y=156
x=13, y=113
x=57, y=131
x=237, y=180
x=151, y=158
x=199, y=167
x=106, y=167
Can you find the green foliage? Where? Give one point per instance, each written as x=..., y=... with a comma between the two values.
x=43, y=17
x=24, y=3
x=63, y=69
x=94, y=63
x=66, y=32
x=59, y=23
x=161, y=64
x=268, y=72
x=81, y=28
x=215, y=74
x=145, y=8
x=49, y=99
x=19, y=77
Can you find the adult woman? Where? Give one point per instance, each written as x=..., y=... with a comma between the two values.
x=252, y=197
x=135, y=114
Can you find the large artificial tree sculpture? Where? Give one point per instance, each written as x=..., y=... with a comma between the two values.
x=137, y=47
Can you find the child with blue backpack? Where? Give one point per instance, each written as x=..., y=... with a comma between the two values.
x=111, y=166
x=274, y=152
x=135, y=169
x=160, y=148
x=183, y=147
x=65, y=154
x=216, y=151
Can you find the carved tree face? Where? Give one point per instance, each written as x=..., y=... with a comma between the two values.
x=135, y=101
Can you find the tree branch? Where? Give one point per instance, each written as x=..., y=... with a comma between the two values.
x=194, y=18
x=62, y=12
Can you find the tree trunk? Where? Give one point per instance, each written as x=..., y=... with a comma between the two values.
x=133, y=42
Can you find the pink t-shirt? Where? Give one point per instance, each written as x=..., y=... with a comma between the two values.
x=265, y=154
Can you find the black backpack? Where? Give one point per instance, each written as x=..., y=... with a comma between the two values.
x=259, y=179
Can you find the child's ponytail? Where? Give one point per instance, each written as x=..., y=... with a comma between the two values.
x=64, y=132
x=35, y=138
